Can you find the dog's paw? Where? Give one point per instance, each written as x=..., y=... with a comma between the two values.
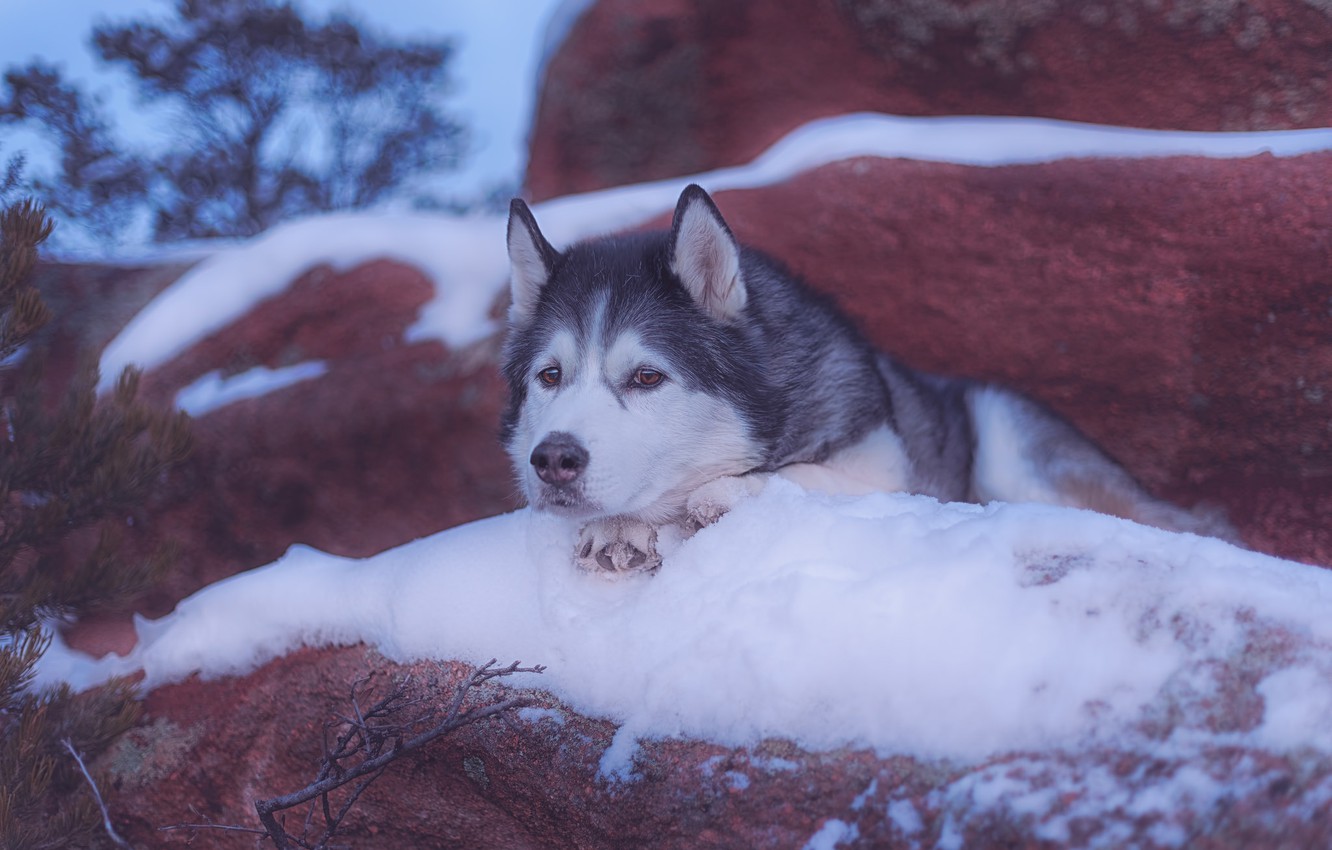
x=715, y=499
x=617, y=545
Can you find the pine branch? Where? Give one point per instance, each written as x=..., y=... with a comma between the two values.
x=78, y=464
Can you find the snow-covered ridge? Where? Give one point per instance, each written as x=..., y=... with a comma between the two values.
x=888, y=621
x=464, y=256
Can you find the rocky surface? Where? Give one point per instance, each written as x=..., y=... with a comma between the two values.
x=394, y=441
x=531, y=779
x=1177, y=310
x=645, y=90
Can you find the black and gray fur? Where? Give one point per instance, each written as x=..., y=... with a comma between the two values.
x=620, y=347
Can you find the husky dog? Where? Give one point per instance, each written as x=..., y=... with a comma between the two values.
x=656, y=378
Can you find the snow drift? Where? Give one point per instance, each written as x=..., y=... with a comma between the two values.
x=888, y=621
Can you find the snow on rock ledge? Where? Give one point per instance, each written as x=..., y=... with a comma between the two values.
x=646, y=90
x=1068, y=627
x=318, y=420
x=464, y=258
x=1061, y=671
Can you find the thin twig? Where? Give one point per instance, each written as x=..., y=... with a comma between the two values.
x=378, y=741
x=453, y=720
x=221, y=826
x=97, y=795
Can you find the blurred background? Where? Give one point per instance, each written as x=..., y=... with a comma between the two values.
x=144, y=122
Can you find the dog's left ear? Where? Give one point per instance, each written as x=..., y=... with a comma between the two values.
x=705, y=256
x=531, y=262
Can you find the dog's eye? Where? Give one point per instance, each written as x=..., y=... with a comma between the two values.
x=646, y=376
x=549, y=376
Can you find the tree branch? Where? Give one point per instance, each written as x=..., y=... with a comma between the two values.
x=379, y=739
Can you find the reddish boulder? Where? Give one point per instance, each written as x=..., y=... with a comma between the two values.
x=394, y=441
x=530, y=779
x=1175, y=309
x=645, y=90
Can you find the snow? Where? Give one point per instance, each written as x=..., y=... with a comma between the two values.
x=212, y=391
x=1057, y=799
x=904, y=816
x=454, y=252
x=863, y=797
x=882, y=621
x=536, y=715
x=833, y=833
x=465, y=257
x=1299, y=710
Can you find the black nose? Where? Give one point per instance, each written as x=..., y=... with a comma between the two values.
x=559, y=458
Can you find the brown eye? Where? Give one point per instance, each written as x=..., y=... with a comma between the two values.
x=550, y=376
x=646, y=376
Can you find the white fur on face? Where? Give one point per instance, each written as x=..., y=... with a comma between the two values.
x=648, y=448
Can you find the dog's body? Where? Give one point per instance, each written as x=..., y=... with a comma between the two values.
x=655, y=378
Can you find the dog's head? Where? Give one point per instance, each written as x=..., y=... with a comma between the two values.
x=626, y=365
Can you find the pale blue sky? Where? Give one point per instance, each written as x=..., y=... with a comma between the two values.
x=495, y=67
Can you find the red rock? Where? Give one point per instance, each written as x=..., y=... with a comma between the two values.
x=395, y=441
x=208, y=750
x=645, y=90
x=1175, y=309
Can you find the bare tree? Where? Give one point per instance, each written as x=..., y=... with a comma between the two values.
x=278, y=116
x=256, y=114
x=97, y=183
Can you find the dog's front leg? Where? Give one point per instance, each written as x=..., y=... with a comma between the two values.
x=617, y=545
x=715, y=499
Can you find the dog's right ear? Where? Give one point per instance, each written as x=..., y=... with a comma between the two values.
x=706, y=257
x=531, y=262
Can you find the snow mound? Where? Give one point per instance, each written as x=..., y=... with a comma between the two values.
x=888, y=621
